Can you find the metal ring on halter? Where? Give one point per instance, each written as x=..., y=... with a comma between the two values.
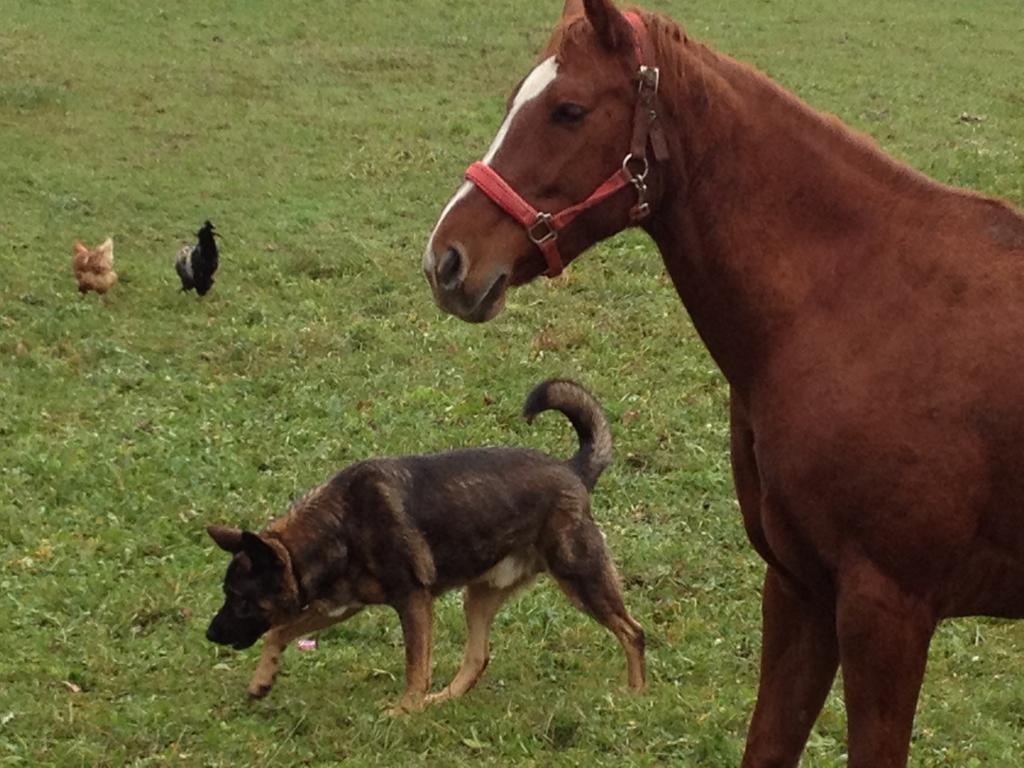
x=635, y=177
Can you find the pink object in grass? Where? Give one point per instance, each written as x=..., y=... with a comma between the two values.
x=307, y=644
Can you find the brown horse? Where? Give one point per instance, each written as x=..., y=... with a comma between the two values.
x=868, y=319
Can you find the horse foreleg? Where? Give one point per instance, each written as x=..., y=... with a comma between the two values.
x=799, y=656
x=884, y=635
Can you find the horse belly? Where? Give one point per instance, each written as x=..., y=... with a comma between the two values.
x=989, y=577
x=988, y=581
x=908, y=454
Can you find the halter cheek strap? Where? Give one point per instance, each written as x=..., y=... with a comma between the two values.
x=543, y=228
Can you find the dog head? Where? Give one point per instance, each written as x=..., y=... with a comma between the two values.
x=260, y=590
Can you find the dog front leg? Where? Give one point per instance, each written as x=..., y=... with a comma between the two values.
x=278, y=638
x=417, y=616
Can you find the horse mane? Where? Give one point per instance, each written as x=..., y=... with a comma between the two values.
x=704, y=76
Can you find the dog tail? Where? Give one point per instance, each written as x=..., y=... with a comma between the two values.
x=587, y=419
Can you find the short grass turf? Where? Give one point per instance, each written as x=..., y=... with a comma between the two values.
x=323, y=139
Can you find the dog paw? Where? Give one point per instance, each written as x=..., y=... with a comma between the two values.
x=405, y=707
x=259, y=690
x=440, y=696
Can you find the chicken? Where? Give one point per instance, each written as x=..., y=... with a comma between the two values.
x=197, y=263
x=94, y=269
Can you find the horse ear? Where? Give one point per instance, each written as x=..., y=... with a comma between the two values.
x=610, y=25
x=228, y=539
x=572, y=8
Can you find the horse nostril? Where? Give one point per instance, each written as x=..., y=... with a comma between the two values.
x=449, y=269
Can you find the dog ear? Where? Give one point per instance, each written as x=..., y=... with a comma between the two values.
x=262, y=555
x=228, y=539
x=572, y=8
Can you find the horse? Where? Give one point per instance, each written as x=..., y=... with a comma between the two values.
x=868, y=321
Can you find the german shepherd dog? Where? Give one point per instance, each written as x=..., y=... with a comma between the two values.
x=402, y=530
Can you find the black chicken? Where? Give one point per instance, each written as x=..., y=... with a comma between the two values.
x=197, y=263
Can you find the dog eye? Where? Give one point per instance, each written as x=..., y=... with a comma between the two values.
x=568, y=113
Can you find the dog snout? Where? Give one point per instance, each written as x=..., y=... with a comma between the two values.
x=213, y=633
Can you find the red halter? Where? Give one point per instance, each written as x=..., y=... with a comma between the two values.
x=543, y=228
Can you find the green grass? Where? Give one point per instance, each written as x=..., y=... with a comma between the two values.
x=323, y=139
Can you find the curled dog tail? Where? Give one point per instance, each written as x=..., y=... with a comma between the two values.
x=587, y=419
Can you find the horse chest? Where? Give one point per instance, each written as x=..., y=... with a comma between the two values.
x=836, y=488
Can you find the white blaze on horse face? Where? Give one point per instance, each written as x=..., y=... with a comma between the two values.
x=533, y=86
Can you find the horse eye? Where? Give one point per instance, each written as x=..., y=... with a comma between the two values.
x=567, y=113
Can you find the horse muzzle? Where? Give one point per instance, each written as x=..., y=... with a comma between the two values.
x=447, y=275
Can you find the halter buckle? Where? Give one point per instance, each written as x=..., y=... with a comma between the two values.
x=542, y=220
x=650, y=77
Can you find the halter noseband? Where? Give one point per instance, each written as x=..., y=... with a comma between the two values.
x=543, y=228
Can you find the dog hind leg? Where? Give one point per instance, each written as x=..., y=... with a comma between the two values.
x=582, y=567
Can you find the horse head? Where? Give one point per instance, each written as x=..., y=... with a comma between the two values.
x=567, y=168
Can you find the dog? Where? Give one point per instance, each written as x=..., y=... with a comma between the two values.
x=400, y=531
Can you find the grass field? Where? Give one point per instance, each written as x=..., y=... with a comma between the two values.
x=322, y=139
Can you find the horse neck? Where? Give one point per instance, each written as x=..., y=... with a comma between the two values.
x=762, y=197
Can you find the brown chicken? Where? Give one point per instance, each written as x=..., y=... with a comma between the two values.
x=94, y=269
